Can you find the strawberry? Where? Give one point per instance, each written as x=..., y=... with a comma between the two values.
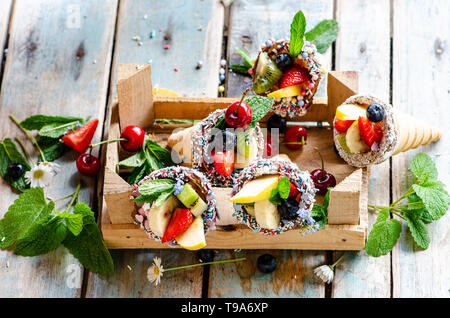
x=179, y=222
x=294, y=76
x=342, y=125
x=294, y=191
x=81, y=138
x=223, y=162
x=369, y=132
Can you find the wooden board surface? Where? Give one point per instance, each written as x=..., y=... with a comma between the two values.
x=50, y=68
x=251, y=23
x=363, y=45
x=418, y=273
x=5, y=11
x=179, y=21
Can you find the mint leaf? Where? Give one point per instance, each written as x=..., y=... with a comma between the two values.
x=422, y=165
x=298, y=27
x=418, y=229
x=42, y=237
x=14, y=154
x=248, y=62
x=275, y=197
x=56, y=130
x=151, y=190
x=135, y=160
x=88, y=247
x=384, y=235
x=435, y=199
x=74, y=222
x=138, y=174
x=260, y=107
x=320, y=212
x=30, y=208
x=162, y=155
x=163, y=197
x=284, y=187
x=323, y=35
x=36, y=122
x=53, y=148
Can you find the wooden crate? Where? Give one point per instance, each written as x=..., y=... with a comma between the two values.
x=347, y=212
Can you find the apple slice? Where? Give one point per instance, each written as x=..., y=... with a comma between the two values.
x=266, y=214
x=256, y=190
x=353, y=140
x=194, y=237
x=350, y=112
x=159, y=217
x=289, y=91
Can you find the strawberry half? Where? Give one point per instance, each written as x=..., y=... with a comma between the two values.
x=294, y=191
x=81, y=138
x=342, y=125
x=369, y=132
x=294, y=76
x=223, y=162
x=179, y=222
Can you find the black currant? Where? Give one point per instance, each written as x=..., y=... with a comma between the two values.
x=15, y=170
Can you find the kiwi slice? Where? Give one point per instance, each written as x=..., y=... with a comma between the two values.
x=199, y=207
x=267, y=74
x=188, y=196
x=343, y=143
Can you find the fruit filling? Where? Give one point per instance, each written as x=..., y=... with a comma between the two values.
x=359, y=127
x=291, y=80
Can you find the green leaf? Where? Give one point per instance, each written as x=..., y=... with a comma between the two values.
x=326, y=200
x=30, y=208
x=36, y=122
x=248, y=62
x=298, y=27
x=163, y=198
x=135, y=160
x=52, y=148
x=14, y=154
x=384, y=235
x=8, y=154
x=275, y=197
x=320, y=212
x=162, y=155
x=418, y=229
x=88, y=247
x=138, y=174
x=42, y=237
x=323, y=35
x=174, y=121
x=422, y=165
x=260, y=107
x=284, y=187
x=151, y=190
x=74, y=222
x=56, y=130
x=435, y=199
x=239, y=68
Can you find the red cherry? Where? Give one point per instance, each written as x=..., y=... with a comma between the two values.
x=223, y=162
x=238, y=116
x=134, y=136
x=322, y=179
x=88, y=165
x=295, y=137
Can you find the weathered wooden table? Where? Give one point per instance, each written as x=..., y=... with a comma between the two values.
x=62, y=58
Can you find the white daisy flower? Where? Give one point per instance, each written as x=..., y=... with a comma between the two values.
x=40, y=175
x=56, y=168
x=155, y=272
x=325, y=273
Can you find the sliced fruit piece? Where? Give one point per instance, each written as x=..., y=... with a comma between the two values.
x=159, y=217
x=266, y=214
x=194, y=237
x=350, y=112
x=164, y=92
x=342, y=141
x=199, y=207
x=256, y=190
x=188, y=196
x=179, y=222
x=342, y=125
x=223, y=162
x=368, y=132
x=81, y=138
x=267, y=74
x=353, y=140
x=248, y=151
x=294, y=76
x=250, y=209
x=295, y=90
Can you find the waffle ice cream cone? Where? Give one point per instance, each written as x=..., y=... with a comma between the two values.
x=401, y=132
x=181, y=142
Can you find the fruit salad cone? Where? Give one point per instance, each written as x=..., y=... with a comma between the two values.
x=155, y=219
x=401, y=132
x=257, y=181
x=192, y=144
x=293, y=86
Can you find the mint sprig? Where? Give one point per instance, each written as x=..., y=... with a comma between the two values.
x=323, y=35
x=157, y=191
x=281, y=192
x=260, y=107
x=298, y=27
x=320, y=212
x=424, y=202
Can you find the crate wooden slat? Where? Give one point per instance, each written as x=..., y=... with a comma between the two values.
x=347, y=228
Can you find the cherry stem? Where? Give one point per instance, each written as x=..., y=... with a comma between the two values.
x=92, y=146
x=242, y=98
x=321, y=159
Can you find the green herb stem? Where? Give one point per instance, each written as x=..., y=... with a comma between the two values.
x=337, y=261
x=203, y=264
x=74, y=197
x=27, y=132
x=27, y=155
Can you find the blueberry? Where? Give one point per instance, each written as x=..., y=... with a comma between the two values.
x=276, y=121
x=267, y=263
x=375, y=112
x=206, y=255
x=15, y=170
x=288, y=209
x=223, y=140
x=284, y=61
